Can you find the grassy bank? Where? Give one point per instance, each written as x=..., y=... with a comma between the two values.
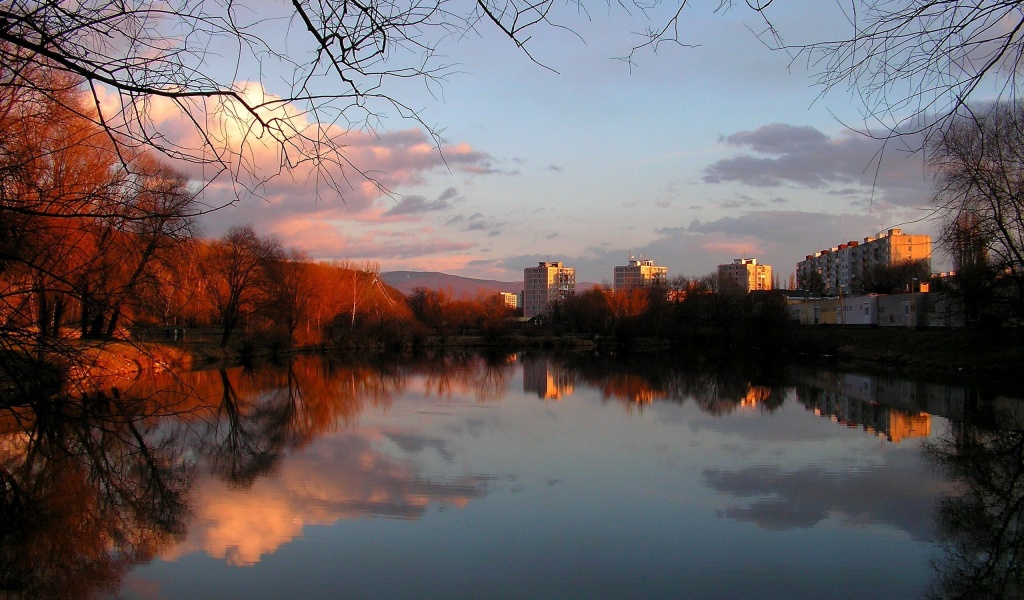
x=998, y=356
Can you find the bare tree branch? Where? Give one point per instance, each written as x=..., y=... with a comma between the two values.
x=915, y=63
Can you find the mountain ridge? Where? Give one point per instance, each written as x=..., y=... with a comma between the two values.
x=459, y=286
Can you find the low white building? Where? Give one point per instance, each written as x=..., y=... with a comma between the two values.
x=859, y=310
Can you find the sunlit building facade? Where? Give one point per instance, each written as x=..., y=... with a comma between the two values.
x=545, y=285
x=639, y=273
x=842, y=267
x=745, y=275
x=510, y=299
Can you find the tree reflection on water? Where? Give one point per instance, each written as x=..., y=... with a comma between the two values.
x=93, y=484
x=86, y=491
x=718, y=385
x=982, y=525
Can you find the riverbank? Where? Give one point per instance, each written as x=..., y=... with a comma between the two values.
x=120, y=359
x=948, y=354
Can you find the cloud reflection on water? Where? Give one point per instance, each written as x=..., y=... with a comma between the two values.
x=778, y=499
x=340, y=476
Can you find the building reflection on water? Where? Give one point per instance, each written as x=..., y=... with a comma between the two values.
x=543, y=377
x=899, y=408
x=549, y=379
x=755, y=396
x=892, y=408
x=891, y=423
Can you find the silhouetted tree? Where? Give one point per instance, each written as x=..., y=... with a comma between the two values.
x=494, y=317
x=813, y=282
x=588, y=312
x=237, y=276
x=294, y=287
x=432, y=309
x=342, y=63
x=916, y=63
x=980, y=194
x=890, y=279
x=980, y=524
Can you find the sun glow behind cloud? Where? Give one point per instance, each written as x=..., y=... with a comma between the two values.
x=279, y=178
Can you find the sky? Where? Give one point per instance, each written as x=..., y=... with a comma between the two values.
x=693, y=156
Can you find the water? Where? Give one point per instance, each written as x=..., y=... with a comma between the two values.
x=518, y=476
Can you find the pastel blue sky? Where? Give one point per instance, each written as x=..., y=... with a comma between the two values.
x=693, y=157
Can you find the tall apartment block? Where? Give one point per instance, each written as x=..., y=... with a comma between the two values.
x=639, y=273
x=843, y=265
x=745, y=275
x=546, y=284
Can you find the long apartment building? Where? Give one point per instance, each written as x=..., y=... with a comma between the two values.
x=546, y=284
x=745, y=275
x=843, y=265
x=639, y=273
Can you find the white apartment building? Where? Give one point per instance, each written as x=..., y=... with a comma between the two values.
x=744, y=275
x=843, y=265
x=637, y=274
x=546, y=284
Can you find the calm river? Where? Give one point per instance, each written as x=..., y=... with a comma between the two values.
x=516, y=476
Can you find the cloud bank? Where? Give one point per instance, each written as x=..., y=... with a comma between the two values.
x=779, y=154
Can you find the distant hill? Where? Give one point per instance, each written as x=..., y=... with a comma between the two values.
x=406, y=281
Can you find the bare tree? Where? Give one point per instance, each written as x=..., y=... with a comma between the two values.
x=894, y=278
x=979, y=161
x=293, y=78
x=238, y=279
x=915, y=63
x=295, y=287
x=79, y=224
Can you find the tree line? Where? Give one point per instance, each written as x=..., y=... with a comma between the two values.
x=98, y=239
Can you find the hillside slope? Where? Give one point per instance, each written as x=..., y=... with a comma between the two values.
x=459, y=287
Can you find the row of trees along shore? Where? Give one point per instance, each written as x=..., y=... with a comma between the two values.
x=97, y=244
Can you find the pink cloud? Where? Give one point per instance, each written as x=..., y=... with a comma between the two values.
x=737, y=248
x=290, y=165
x=326, y=240
x=335, y=207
